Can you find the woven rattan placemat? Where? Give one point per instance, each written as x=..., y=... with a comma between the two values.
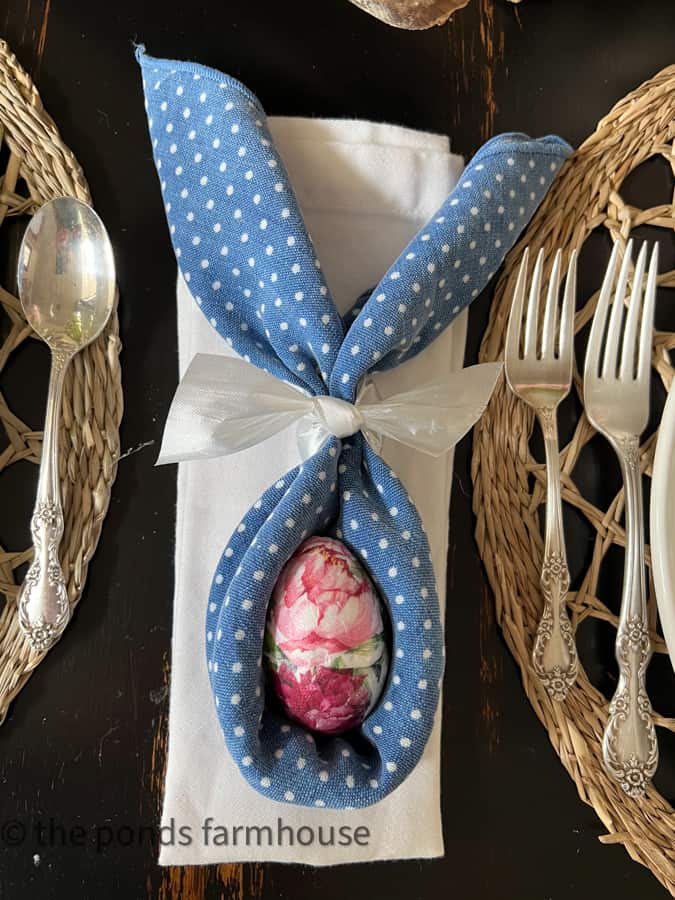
x=509, y=482
x=36, y=166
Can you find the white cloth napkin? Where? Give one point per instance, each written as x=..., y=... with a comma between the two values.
x=365, y=189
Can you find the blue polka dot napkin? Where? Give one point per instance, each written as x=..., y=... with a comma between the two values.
x=249, y=262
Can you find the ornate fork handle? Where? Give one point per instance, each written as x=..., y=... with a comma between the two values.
x=554, y=656
x=630, y=748
x=43, y=599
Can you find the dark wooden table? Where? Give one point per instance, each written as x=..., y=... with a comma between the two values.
x=84, y=745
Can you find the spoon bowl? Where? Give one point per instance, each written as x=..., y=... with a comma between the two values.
x=66, y=274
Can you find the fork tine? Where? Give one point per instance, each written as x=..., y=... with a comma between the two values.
x=614, y=329
x=647, y=326
x=512, y=347
x=530, y=349
x=567, y=312
x=551, y=312
x=594, y=347
x=629, y=348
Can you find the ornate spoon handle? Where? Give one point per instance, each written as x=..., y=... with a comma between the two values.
x=629, y=747
x=43, y=600
x=554, y=656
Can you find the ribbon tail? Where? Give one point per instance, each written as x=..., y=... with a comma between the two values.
x=435, y=416
x=223, y=405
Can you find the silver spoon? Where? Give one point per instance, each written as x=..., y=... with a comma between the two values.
x=66, y=278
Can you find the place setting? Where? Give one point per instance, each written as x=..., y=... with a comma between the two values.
x=325, y=270
x=607, y=740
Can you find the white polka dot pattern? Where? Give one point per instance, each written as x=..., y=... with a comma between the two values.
x=244, y=251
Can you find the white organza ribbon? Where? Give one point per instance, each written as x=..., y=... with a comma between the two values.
x=224, y=405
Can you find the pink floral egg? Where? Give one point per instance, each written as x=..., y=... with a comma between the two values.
x=325, y=646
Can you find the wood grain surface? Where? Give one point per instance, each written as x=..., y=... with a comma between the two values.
x=85, y=744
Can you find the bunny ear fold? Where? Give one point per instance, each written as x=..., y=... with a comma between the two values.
x=452, y=258
x=245, y=254
x=238, y=234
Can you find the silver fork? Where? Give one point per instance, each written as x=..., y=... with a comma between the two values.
x=616, y=395
x=540, y=373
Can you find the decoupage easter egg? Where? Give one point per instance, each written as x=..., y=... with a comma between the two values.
x=325, y=645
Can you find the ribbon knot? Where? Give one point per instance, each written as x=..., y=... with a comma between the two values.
x=337, y=416
x=224, y=405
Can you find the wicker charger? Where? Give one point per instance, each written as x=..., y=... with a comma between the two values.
x=34, y=155
x=509, y=484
